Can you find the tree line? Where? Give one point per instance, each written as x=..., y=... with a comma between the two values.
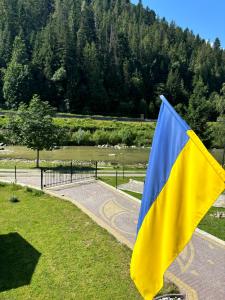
x=106, y=57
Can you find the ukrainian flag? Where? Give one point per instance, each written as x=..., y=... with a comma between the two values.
x=182, y=182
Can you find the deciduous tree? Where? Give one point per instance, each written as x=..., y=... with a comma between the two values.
x=32, y=126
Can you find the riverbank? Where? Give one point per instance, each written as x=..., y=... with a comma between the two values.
x=23, y=157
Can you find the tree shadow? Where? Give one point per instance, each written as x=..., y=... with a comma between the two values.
x=18, y=260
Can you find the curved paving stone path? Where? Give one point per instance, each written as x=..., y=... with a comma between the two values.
x=199, y=269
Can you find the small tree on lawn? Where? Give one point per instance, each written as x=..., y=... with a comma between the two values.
x=32, y=126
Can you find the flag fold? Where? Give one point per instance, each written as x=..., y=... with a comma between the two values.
x=182, y=182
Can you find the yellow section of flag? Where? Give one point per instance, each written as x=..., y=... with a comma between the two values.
x=195, y=182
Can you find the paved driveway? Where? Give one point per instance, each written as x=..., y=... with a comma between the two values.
x=199, y=269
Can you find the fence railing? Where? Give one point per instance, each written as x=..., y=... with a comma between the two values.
x=69, y=172
x=76, y=171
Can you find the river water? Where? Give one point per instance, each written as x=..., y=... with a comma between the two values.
x=124, y=156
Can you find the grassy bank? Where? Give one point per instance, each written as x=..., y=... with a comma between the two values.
x=51, y=250
x=212, y=224
x=106, y=156
x=111, y=180
x=89, y=132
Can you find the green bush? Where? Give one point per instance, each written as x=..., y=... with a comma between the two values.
x=38, y=193
x=14, y=199
x=114, y=138
x=85, y=132
x=101, y=137
x=128, y=136
x=143, y=138
x=218, y=134
x=28, y=189
x=34, y=192
x=2, y=137
x=82, y=137
x=15, y=187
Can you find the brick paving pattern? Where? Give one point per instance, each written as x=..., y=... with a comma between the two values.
x=202, y=263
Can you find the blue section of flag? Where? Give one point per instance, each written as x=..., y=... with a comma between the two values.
x=171, y=135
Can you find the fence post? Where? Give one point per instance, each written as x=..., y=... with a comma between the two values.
x=41, y=178
x=15, y=174
x=116, y=179
x=71, y=172
x=123, y=171
x=96, y=170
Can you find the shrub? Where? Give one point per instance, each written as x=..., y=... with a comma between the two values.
x=28, y=189
x=33, y=191
x=100, y=137
x=218, y=134
x=2, y=137
x=143, y=139
x=15, y=187
x=127, y=136
x=82, y=137
x=38, y=193
x=14, y=199
x=114, y=138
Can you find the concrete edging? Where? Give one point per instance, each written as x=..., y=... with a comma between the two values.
x=210, y=237
x=119, y=191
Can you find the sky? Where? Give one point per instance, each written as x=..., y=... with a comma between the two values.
x=203, y=17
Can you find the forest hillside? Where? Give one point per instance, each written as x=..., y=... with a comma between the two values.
x=106, y=57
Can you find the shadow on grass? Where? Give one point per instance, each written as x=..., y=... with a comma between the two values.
x=18, y=260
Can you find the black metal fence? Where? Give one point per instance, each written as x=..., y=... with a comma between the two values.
x=75, y=172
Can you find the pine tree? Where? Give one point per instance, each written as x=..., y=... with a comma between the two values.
x=94, y=82
x=219, y=132
x=199, y=110
x=87, y=31
x=143, y=54
x=17, y=77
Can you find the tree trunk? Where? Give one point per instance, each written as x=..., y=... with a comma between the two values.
x=37, y=160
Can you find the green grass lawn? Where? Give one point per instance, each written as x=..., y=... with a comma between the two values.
x=120, y=180
x=213, y=225
x=51, y=250
x=209, y=223
x=111, y=180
